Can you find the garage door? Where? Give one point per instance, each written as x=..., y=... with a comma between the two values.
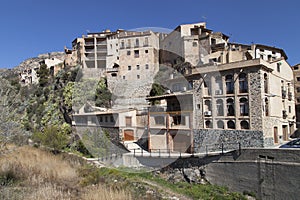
x=128, y=135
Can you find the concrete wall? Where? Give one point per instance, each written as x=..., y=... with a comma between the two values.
x=268, y=173
x=271, y=174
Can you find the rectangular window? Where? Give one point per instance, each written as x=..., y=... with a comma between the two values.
x=159, y=120
x=137, y=42
x=298, y=78
x=122, y=44
x=138, y=67
x=128, y=121
x=146, y=41
x=129, y=68
x=178, y=120
x=146, y=51
x=298, y=89
x=101, y=119
x=138, y=76
x=194, y=44
x=128, y=53
x=111, y=118
x=278, y=67
x=106, y=119
x=147, y=66
x=124, y=77
x=136, y=53
x=290, y=109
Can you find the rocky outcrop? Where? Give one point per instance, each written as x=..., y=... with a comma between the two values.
x=34, y=62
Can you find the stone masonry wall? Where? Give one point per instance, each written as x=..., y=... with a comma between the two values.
x=255, y=99
x=209, y=140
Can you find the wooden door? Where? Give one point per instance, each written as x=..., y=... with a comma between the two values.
x=128, y=135
x=285, y=132
x=275, y=135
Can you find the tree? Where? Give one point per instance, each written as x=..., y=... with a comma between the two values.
x=103, y=95
x=43, y=74
x=156, y=90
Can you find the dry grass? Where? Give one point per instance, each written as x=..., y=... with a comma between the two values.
x=99, y=192
x=30, y=173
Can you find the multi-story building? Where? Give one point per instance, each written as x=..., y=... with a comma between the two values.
x=237, y=94
x=123, y=124
x=132, y=66
x=28, y=73
x=296, y=70
x=192, y=43
x=129, y=59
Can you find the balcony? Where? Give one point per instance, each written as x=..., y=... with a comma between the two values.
x=101, y=57
x=207, y=113
x=102, y=51
x=89, y=44
x=89, y=51
x=89, y=58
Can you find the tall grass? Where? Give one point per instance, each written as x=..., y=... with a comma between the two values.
x=30, y=173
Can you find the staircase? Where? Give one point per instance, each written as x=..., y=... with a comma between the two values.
x=133, y=147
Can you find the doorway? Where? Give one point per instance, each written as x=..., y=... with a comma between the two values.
x=275, y=135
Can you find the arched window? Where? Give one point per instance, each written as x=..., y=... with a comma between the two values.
x=266, y=107
x=220, y=108
x=244, y=124
x=243, y=83
x=266, y=82
x=207, y=85
x=220, y=124
x=230, y=124
x=244, y=107
x=219, y=85
x=207, y=108
x=229, y=84
x=230, y=107
x=208, y=124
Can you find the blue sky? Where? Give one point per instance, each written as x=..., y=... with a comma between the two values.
x=32, y=27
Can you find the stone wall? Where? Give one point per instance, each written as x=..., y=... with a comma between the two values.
x=212, y=139
x=255, y=99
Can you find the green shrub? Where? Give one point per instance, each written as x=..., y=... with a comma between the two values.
x=52, y=136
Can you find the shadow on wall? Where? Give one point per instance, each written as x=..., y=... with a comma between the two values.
x=143, y=141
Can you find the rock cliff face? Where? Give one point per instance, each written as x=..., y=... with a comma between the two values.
x=32, y=63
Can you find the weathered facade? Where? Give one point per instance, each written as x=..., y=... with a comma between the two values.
x=243, y=89
x=127, y=125
x=132, y=67
x=296, y=71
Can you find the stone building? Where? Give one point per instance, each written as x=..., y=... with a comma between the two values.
x=90, y=51
x=296, y=71
x=129, y=60
x=192, y=43
x=132, y=66
x=28, y=68
x=235, y=94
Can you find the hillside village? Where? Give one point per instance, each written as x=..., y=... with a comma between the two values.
x=189, y=91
